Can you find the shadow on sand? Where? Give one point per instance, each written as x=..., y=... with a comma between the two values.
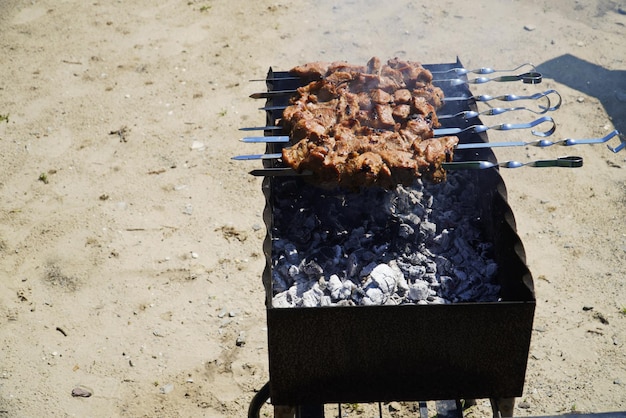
x=609, y=87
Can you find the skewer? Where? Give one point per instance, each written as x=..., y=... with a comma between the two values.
x=262, y=128
x=459, y=71
x=501, y=127
x=290, y=77
x=567, y=162
x=445, y=131
x=541, y=143
x=479, y=98
x=470, y=114
x=511, y=98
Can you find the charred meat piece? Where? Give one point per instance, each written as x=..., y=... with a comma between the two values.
x=372, y=125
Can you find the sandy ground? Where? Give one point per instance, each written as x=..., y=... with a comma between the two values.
x=131, y=245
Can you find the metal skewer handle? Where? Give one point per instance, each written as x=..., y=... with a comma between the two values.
x=514, y=97
x=469, y=114
x=483, y=70
x=568, y=162
x=527, y=78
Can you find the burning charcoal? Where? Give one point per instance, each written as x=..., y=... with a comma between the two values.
x=444, y=265
x=367, y=269
x=293, y=295
x=431, y=266
x=443, y=239
x=353, y=266
x=491, y=269
x=401, y=284
x=278, y=282
x=448, y=285
x=302, y=227
x=381, y=246
x=326, y=301
x=413, y=272
x=436, y=300
x=311, y=269
x=312, y=297
x=335, y=287
x=281, y=300
x=427, y=230
x=291, y=253
x=383, y=277
x=406, y=231
x=374, y=296
x=340, y=290
x=418, y=290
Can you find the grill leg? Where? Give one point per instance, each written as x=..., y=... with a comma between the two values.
x=301, y=411
x=502, y=407
x=310, y=411
x=282, y=411
x=449, y=409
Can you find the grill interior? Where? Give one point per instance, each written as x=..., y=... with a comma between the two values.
x=407, y=352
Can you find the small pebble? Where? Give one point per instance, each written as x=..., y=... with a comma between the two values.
x=618, y=382
x=165, y=389
x=601, y=318
x=197, y=145
x=194, y=255
x=241, y=339
x=580, y=99
x=529, y=28
x=524, y=405
x=394, y=406
x=81, y=392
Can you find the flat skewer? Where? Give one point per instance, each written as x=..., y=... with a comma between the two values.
x=567, y=162
x=458, y=70
x=541, y=143
x=446, y=131
x=478, y=98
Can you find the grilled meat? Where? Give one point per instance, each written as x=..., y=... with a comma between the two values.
x=355, y=126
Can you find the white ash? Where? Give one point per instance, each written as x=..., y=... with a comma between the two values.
x=412, y=245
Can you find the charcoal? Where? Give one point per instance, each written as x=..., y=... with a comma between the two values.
x=419, y=290
x=413, y=244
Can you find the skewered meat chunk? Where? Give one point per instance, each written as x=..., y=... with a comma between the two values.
x=370, y=125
